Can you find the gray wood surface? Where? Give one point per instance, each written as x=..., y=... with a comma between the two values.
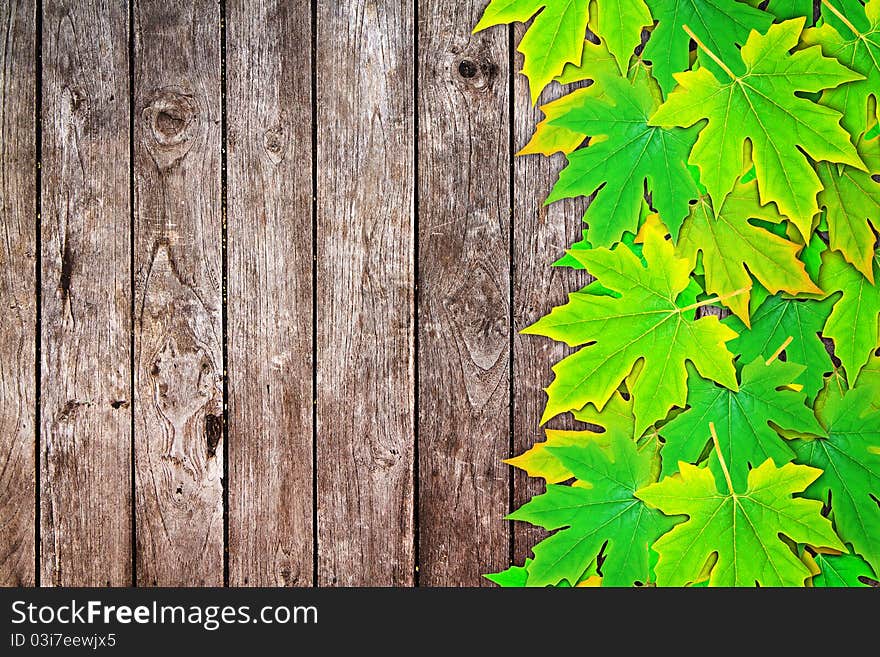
x=365, y=270
x=354, y=425
x=85, y=450
x=269, y=223
x=18, y=396
x=178, y=414
x=464, y=295
x=541, y=235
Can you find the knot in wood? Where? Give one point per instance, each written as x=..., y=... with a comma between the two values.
x=275, y=143
x=172, y=119
x=213, y=433
x=467, y=69
x=75, y=98
x=476, y=72
x=183, y=376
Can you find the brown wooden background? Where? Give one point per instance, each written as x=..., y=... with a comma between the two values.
x=319, y=199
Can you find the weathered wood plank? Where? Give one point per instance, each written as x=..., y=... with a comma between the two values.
x=541, y=235
x=17, y=293
x=86, y=294
x=365, y=170
x=269, y=225
x=178, y=334
x=464, y=295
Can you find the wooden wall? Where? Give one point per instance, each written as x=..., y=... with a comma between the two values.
x=262, y=272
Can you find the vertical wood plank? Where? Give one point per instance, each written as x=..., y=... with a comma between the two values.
x=541, y=236
x=178, y=298
x=464, y=294
x=17, y=293
x=365, y=170
x=269, y=225
x=86, y=293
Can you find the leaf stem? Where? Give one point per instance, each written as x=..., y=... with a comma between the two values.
x=711, y=54
x=721, y=458
x=779, y=351
x=843, y=19
x=708, y=302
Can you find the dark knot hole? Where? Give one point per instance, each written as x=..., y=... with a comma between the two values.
x=468, y=69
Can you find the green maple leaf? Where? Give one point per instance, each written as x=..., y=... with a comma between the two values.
x=851, y=199
x=742, y=419
x=629, y=239
x=842, y=570
x=720, y=24
x=870, y=377
x=729, y=244
x=554, y=39
x=778, y=319
x=513, y=577
x=758, y=104
x=644, y=323
x=619, y=23
x=776, y=111
x=786, y=9
x=550, y=138
x=539, y=461
x=597, y=65
x=740, y=526
x=851, y=34
x=587, y=518
x=812, y=252
x=850, y=460
x=854, y=324
x=624, y=155
x=617, y=417
x=518, y=577
x=556, y=36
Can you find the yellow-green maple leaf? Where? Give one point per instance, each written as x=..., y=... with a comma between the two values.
x=741, y=527
x=729, y=244
x=644, y=323
x=848, y=459
x=720, y=24
x=616, y=417
x=756, y=102
x=596, y=64
x=775, y=321
x=626, y=155
x=851, y=34
x=555, y=38
x=603, y=518
x=851, y=199
x=745, y=420
x=854, y=324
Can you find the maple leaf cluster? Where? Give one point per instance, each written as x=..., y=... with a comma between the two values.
x=732, y=151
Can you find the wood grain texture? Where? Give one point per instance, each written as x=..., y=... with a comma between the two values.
x=178, y=333
x=85, y=229
x=365, y=372
x=464, y=295
x=269, y=222
x=17, y=293
x=541, y=236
